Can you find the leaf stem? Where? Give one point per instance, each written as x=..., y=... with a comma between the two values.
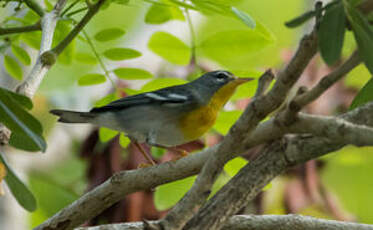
x=97, y=55
x=77, y=11
x=21, y=29
x=35, y=7
x=69, y=7
x=192, y=36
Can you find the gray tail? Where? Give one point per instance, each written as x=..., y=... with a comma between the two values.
x=73, y=117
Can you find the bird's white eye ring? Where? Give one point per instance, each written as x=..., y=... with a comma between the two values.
x=221, y=76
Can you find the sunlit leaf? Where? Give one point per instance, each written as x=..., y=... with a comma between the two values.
x=158, y=14
x=244, y=17
x=124, y=141
x=32, y=39
x=12, y=67
x=233, y=166
x=21, y=54
x=225, y=120
x=106, y=134
x=91, y=79
x=159, y=83
x=132, y=73
x=106, y=100
x=228, y=46
x=109, y=34
x=86, y=58
x=364, y=95
x=26, y=130
x=331, y=34
x=117, y=54
x=170, y=48
x=167, y=195
x=19, y=190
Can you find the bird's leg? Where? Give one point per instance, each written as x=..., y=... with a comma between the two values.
x=142, y=150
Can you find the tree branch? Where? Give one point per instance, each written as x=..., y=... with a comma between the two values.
x=275, y=159
x=36, y=75
x=262, y=222
x=126, y=182
x=21, y=29
x=257, y=110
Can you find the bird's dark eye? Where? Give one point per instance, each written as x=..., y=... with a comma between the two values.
x=221, y=76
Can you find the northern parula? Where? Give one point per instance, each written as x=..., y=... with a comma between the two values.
x=166, y=117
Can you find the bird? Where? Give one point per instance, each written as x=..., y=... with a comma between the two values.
x=167, y=117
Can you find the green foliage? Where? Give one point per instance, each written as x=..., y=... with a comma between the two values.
x=12, y=67
x=109, y=34
x=244, y=17
x=85, y=58
x=365, y=95
x=124, y=141
x=225, y=120
x=21, y=54
x=118, y=54
x=159, y=83
x=19, y=190
x=26, y=130
x=233, y=166
x=331, y=33
x=168, y=195
x=106, y=134
x=363, y=32
x=300, y=19
x=170, y=48
x=106, y=100
x=21, y=100
x=227, y=46
x=158, y=14
x=132, y=73
x=91, y=79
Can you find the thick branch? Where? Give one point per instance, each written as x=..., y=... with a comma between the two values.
x=126, y=182
x=36, y=75
x=21, y=29
x=262, y=222
x=276, y=158
x=257, y=110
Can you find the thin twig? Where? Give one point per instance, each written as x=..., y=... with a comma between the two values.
x=264, y=82
x=77, y=11
x=32, y=4
x=69, y=7
x=21, y=29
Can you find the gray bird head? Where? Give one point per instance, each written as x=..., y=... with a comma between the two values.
x=209, y=83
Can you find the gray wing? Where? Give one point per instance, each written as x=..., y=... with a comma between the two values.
x=170, y=97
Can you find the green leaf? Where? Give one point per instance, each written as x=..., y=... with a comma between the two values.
x=300, y=19
x=12, y=67
x=232, y=45
x=364, y=95
x=109, y=34
x=233, y=166
x=225, y=120
x=19, y=190
x=86, y=58
x=124, y=141
x=21, y=54
x=159, y=83
x=106, y=134
x=244, y=17
x=167, y=195
x=91, y=79
x=170, y=48
x=20, y=99
x=117, y=54
x=158, y=14
x=32, y=39
x=363, y=33
x=331, y=33
x=132, y=73
x=26, y=130
x=106, y=100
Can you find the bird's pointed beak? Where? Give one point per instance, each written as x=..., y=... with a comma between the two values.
x=241, y=80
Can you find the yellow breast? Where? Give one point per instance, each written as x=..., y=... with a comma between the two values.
x=195, y=124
